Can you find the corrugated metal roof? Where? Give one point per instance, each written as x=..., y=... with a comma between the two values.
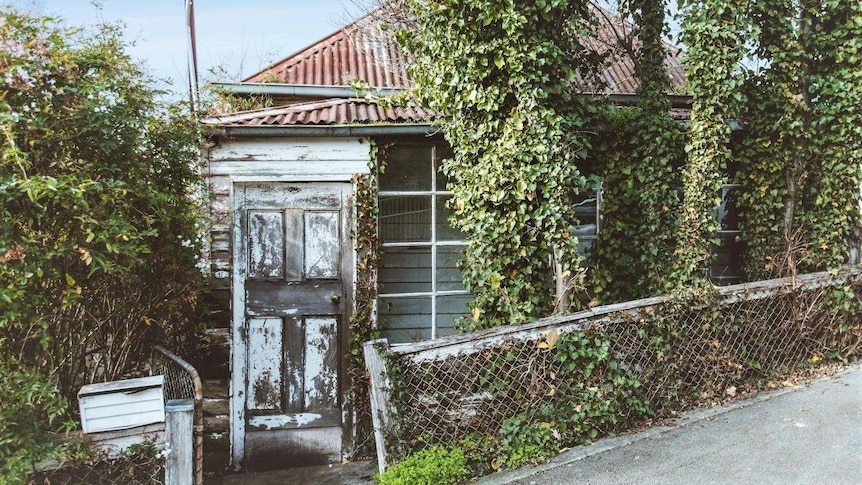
x=328, y=112
x=343, y=111
x=359, y=51
x=363, y=51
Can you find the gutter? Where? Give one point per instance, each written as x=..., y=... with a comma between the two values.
x=323, y=131
x=301, y=90
x=312, y=91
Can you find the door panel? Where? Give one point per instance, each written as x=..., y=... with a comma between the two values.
x=295, y=280
x=322, y=250
x=265, y=244
x=321, y=364
x=264, y=364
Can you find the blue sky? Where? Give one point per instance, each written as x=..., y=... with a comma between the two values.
x=241, y=36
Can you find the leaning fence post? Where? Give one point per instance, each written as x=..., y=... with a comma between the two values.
x=379, y=395
x=179, y=434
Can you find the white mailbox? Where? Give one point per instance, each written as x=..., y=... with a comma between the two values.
x=110, y=406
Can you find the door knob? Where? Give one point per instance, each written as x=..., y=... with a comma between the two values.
x=335, y=299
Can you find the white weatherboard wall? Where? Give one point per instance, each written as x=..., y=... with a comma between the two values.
x=265, y=159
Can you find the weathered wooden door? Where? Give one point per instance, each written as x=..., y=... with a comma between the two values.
x=292, y=267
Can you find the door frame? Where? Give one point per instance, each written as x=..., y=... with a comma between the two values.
x=239, y=342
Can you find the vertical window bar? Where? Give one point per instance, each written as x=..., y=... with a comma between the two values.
x=433, y=241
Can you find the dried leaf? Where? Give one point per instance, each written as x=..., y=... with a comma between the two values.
x=550, y=340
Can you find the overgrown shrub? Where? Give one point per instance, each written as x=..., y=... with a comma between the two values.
x=434, y=466
x=31, y=412
x=99, y=237
x=98, y=241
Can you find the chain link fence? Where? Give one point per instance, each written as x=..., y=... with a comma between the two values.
x=144, y=466
x=655, y=357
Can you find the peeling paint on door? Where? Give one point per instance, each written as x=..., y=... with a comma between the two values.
x=264, y=364
x=322, y=247
x=293, y=249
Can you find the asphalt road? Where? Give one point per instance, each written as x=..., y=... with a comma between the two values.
x=811, y=435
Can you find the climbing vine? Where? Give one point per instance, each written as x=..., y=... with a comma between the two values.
x=638, y=160
x=835, y=90
x=362, y=321
x=503, y=75
x=800, y=156
x=712, y=30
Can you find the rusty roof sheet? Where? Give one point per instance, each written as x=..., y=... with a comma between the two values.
x=365, y=52
x=345, y=111
x=359, y=51
x=338, y=111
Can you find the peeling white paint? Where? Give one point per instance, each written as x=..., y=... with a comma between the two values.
x=291, y=264
x=281, y=421
x=321, y=378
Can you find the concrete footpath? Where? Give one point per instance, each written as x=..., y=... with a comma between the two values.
x=808, y=434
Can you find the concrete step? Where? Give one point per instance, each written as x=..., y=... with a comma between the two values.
x=216, y=424
x=216, y=388
x=216, y=407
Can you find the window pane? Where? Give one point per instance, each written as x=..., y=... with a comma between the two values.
x=449, y=277
x=405, y=219
x=726, y=265
x=408, y=167
x=727, y=212
x=443, y=152
x=450, y=308
x=445, y=231
x=404, y=270
x=585, y=207
x=405, y=319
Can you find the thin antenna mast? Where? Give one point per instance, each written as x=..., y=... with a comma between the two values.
x=192, y=54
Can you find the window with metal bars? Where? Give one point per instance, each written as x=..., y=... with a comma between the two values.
x=420, y=289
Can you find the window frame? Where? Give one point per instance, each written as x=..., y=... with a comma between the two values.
x=433, y=243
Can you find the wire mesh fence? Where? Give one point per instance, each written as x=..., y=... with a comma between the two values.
x=143, y=467
x=182, y=381
x=633, y=361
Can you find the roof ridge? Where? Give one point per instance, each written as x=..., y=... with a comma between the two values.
x=315, y=46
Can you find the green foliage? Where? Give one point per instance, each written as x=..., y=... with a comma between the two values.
x=477, y=451
x=504, y=76
x=99, y=239
x=362, y=321
x=433, y=466
x=524, y=441
x=31, y=413
x=638, y=158
x=801, y=158
x=593, y=396
x=712, y=31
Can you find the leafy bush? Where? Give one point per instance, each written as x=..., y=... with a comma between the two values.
x=525, y=441
x=31, y=412
x=434, y=466
x=98, y=243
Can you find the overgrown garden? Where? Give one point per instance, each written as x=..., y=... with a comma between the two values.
x=509, y=78
x=99, y=234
